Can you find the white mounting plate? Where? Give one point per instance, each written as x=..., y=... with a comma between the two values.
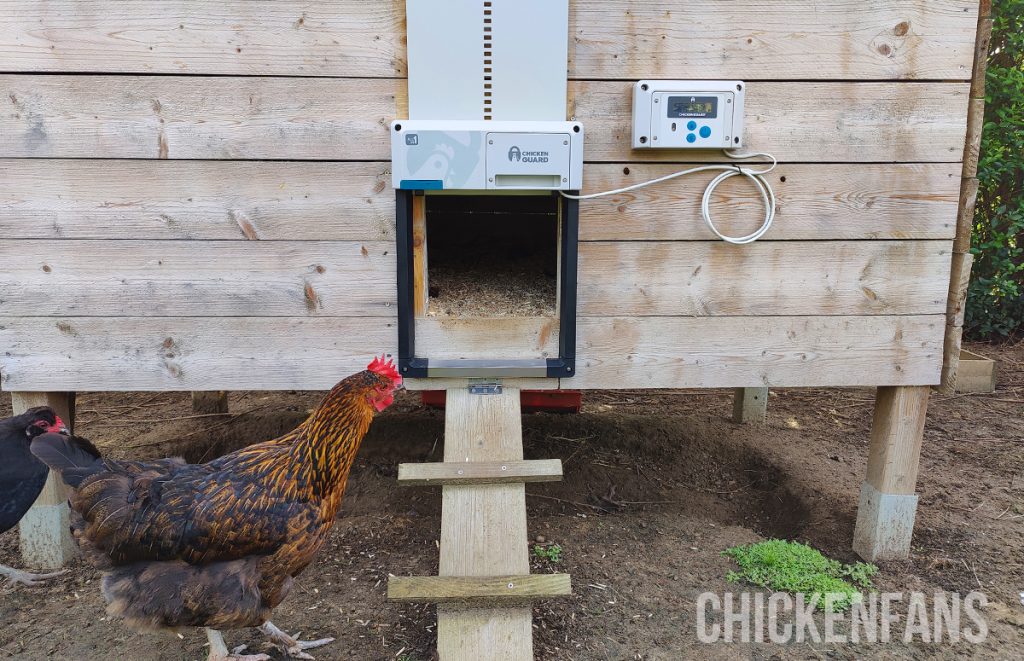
x=688, y=114
x=499, y=59
x=486, y=155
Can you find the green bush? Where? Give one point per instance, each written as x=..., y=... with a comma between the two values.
x=995, y=302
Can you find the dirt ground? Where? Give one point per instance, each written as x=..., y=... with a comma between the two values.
x=656, y=485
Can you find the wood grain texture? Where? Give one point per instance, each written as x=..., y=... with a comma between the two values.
x=770, y=278
x=514, y=337
x=177, y=117
x=243, y=353
x=624, y=39
x=731, y=352
x=483, y=528
x=419, y=256
x=198, y=200
x=896, y=432
x=480, y=472
x=197, y=278
x=488, y=589
x=776, y=39
x=820, y=201
x=183, y=117
x=289, y=201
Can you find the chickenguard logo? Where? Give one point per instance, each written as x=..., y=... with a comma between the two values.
x=520, y=156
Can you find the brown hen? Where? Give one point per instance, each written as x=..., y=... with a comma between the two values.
x=218, y=545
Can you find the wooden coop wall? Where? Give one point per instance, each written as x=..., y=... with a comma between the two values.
x=196, y=196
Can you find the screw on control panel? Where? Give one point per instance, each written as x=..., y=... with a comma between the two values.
x=654, y=138
x=576, y=129
x=656, y=100
x=491, y=179
x=737, y=140
x=728, y=100
x=644, y=87
x=739, y=87
x=564, y=180
x=490, y=142
x=643, y=139
x=398, y=127
x=565, y=142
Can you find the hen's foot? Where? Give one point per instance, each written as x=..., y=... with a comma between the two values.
x=289, y=645
x=25, y=578
x=219, y=651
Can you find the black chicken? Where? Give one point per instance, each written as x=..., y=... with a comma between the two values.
x=22, y=476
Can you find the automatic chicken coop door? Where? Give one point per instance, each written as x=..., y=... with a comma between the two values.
x=485, y=152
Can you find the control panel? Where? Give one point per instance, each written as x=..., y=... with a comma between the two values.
x=688, y=114
x=486, y=155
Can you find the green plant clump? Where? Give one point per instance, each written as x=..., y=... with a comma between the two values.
x=995, y=300
x=797, y=568
x=552, y=553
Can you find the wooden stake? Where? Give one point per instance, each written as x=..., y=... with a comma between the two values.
x=961, y=272
x=45, y=529
x=750, y=405
x=483, y=528
x=885, y=518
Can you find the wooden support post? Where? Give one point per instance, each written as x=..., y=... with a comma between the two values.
x=45, y=529
x=214, y=401
x=420, y=293
x=888, y=504
x=960, y=274
x=483, y=529
x=750, y=405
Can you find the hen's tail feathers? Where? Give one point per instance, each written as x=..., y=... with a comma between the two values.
x=72, y=457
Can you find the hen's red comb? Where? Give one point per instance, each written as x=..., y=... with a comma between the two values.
x=385, y=368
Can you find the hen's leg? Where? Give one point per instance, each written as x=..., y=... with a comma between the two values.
x=291, y=646
x=25, y=578
x=219, y=651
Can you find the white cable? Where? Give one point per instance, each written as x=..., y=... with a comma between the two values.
x=757, y=176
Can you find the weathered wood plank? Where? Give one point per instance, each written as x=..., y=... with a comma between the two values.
x=518, y=337
x=185, y=117
x=346, y=119
x=749, y=352
x=203, y=200
x=197, y=278
x=483, y=528
x=777, y=39
x=454, y=589
x=274, y=201
x=810, y=122
x=771, y=278
x=243, y=353
x=480, y=472
x=623, y=39
x=821, y=201
x=349, y=278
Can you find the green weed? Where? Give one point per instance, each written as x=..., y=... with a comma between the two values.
x=797, y=568
x=552, y=553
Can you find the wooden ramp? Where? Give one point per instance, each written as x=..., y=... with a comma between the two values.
x=485, y=584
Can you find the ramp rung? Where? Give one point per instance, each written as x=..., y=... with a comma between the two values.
x=480, y=472
x=485, y=589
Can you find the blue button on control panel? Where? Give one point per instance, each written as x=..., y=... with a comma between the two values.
x=691, y=138
x=691, y=125
x=705, y=131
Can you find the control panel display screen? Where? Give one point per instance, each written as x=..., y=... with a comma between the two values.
x=693, y=106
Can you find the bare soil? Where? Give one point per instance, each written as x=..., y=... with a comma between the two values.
x=656, y=485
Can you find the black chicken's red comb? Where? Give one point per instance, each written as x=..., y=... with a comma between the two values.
x=385, y=368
